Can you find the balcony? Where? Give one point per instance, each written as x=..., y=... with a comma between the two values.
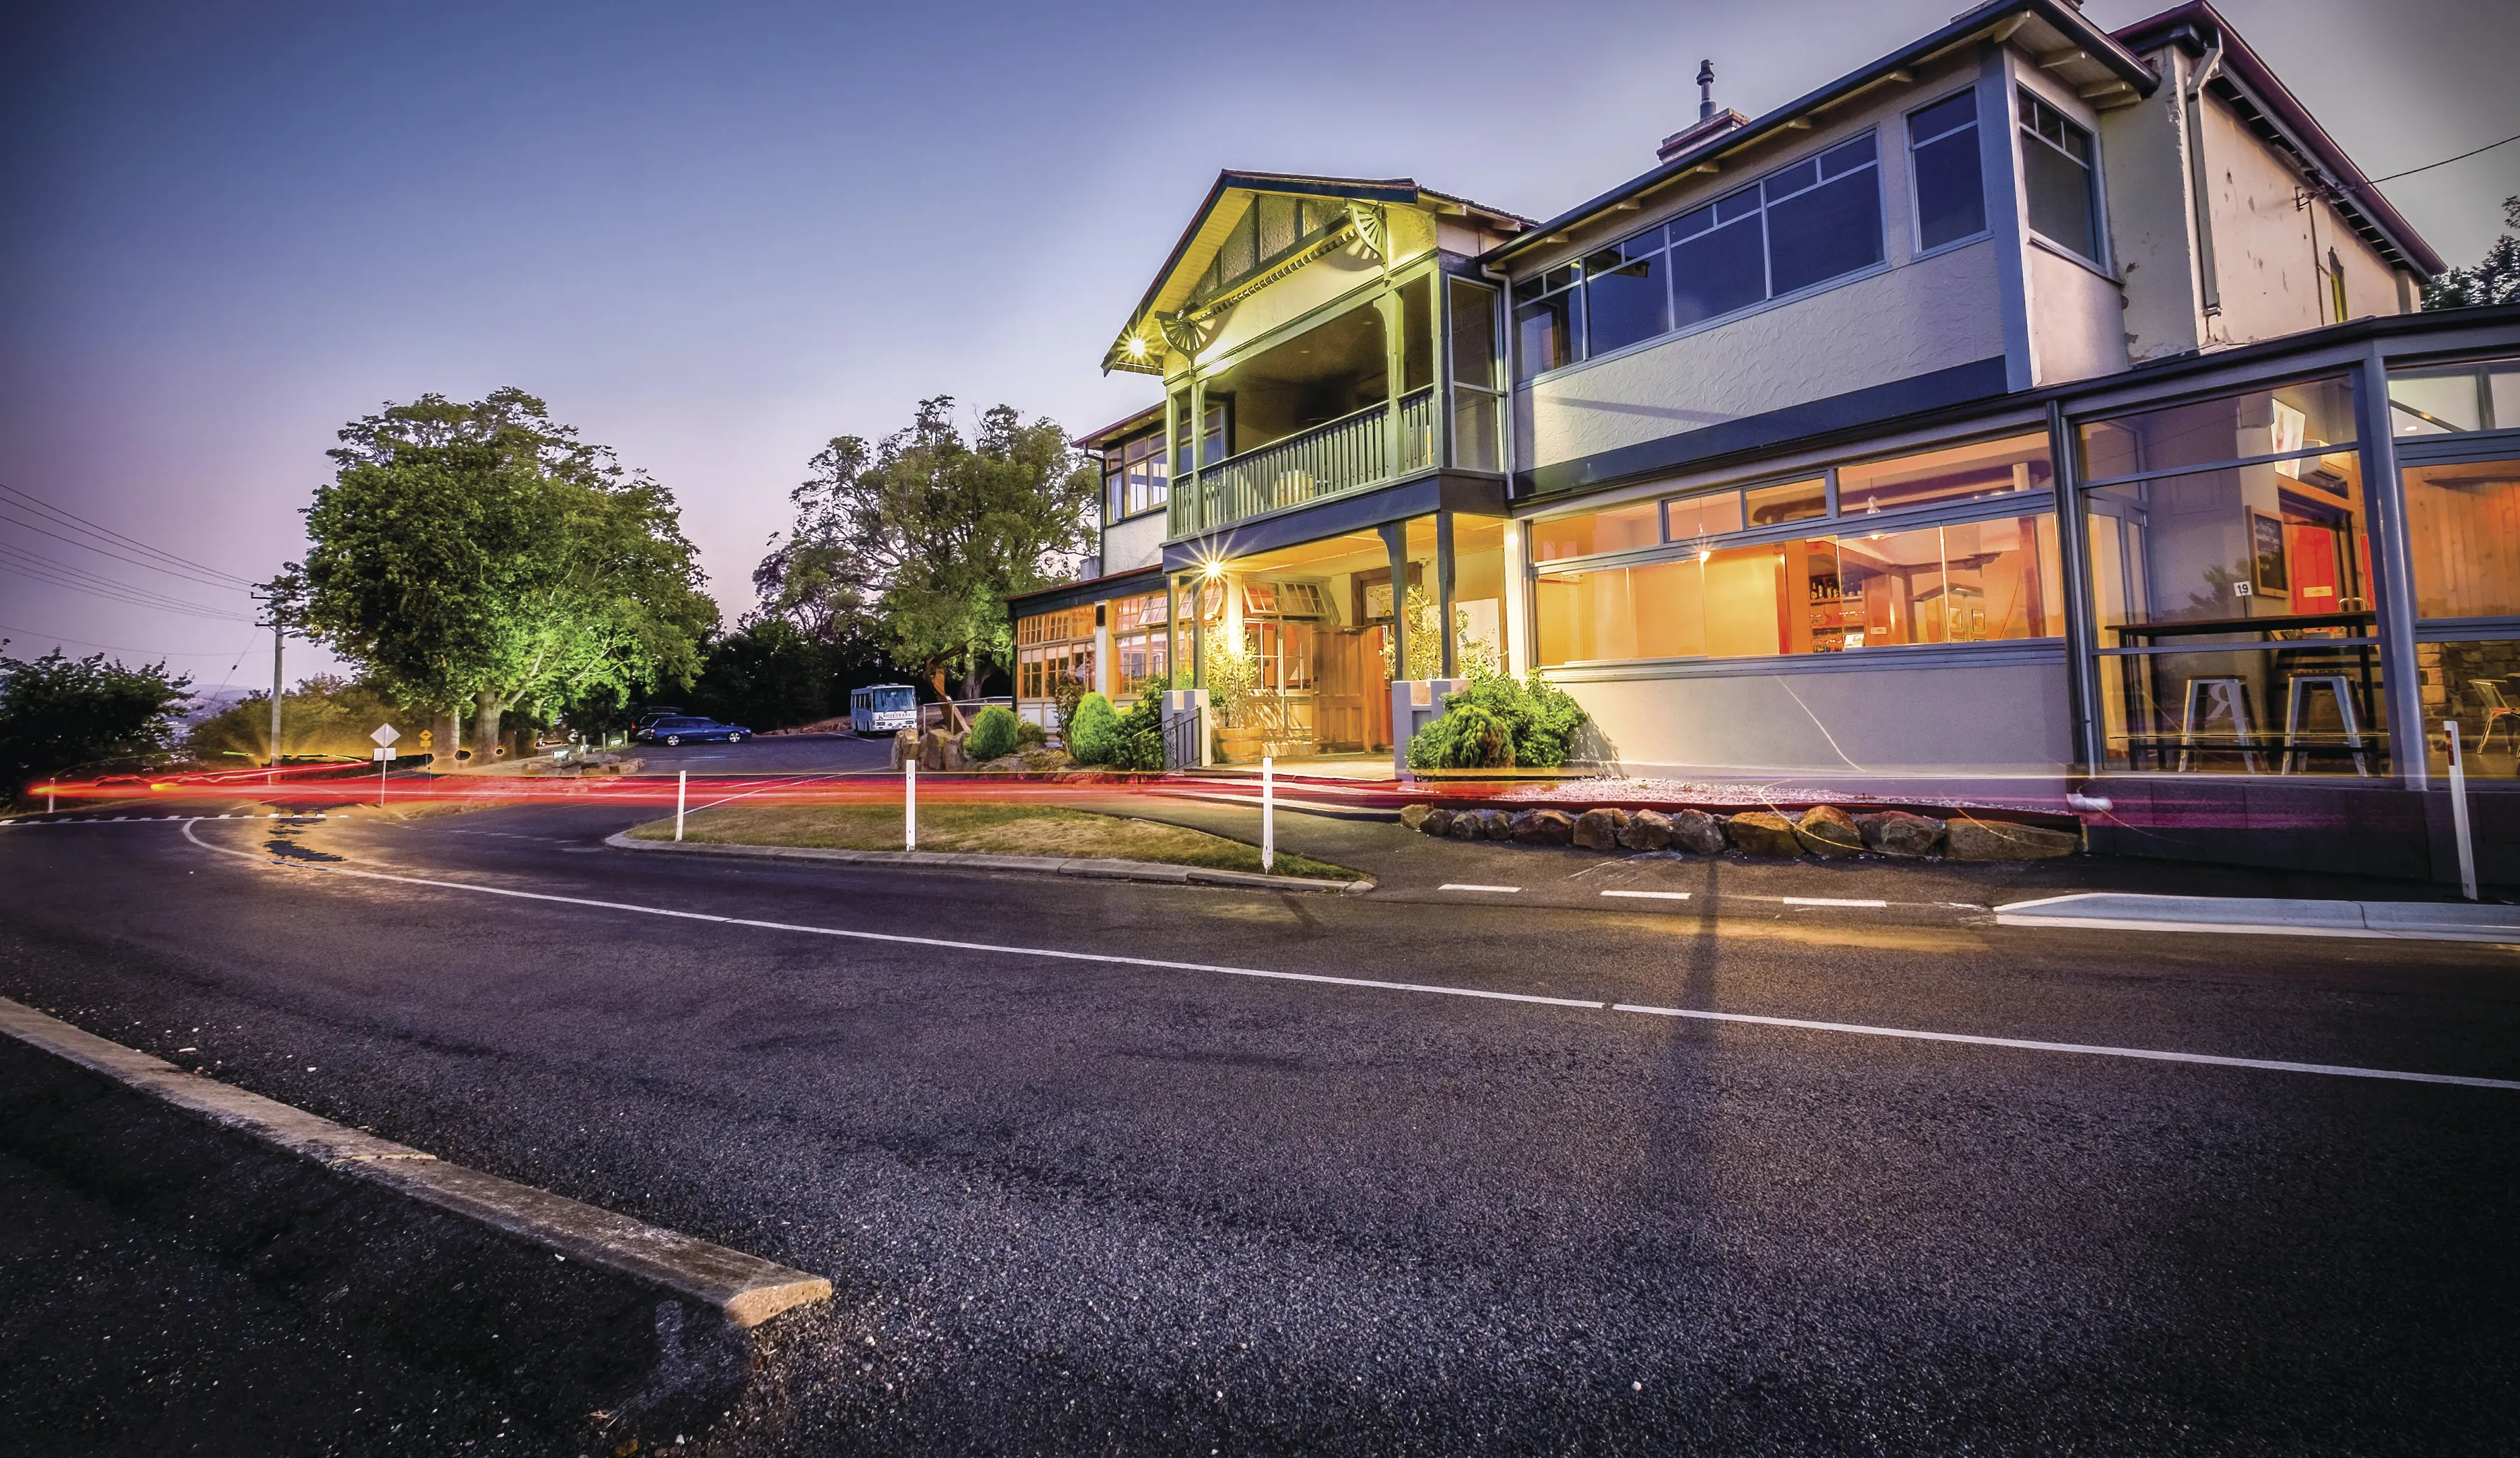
x=1353, y=453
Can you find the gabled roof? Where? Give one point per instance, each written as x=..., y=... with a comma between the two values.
x=2270, y=112
x=2072, y=49
x=1224, y=205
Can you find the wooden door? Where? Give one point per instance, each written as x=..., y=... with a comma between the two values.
x=1340, y=697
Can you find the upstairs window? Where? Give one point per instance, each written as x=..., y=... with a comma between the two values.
x=2056, y=162
x=1795, y=229
x=1135, y=477
x=1943, y=157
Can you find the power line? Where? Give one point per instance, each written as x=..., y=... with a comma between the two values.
x=226, y=587
x=55, y=578
x=36, y=560
x=76, y=521
x=62, y=638
x=2445, y=161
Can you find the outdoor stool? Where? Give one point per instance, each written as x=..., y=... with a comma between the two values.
x=2296, y=742
x=2207, y=698
x=2499, y=715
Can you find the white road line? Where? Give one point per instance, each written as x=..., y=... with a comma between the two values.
x=2266, y=1065
x=2272, y=1065
x=1658, y=896
x=832, y=931
x=1464, y=886
x=1827, y=901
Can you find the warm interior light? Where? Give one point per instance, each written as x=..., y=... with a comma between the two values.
x=1137, y=349
x=1214, y=570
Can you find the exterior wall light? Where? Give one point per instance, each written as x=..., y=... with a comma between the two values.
x=1137, y=348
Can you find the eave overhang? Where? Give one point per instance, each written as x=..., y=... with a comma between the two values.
x=2275, y=117
x=2069, y=46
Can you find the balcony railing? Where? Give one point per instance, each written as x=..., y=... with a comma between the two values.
x=1349, y=454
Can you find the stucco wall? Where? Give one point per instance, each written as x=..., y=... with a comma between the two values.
x=1137, y=542
x=2077, y=321
x=2263, y=248
x=1929, y=315
x=2145, y=147
x=2002, y=719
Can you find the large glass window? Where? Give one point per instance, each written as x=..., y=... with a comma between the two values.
x=1618, y=529
x=1943, y=158
x=2455, y=398
x=2477, y=687
x=1137, y=640
x=2232, y=601
x=2313, y=415
x=1969, y=472
x=1054, y=649
x=1796, y=227
x=2463, y=524
x=1980, y=581
x=2056, y=164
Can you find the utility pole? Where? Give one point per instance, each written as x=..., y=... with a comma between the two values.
x=279, y=630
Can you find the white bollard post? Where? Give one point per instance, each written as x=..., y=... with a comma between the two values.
x=682, y=794
x=48, y=798
x=910, y=805
x=1268, y=812
x=2459, y=812
x=385, y=762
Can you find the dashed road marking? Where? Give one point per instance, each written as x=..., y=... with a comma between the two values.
x=1861, y=1029
x=1828, y=900
x=1466, y=886
x=1658, y=896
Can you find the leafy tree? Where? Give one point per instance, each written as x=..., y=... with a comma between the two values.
x=481, y=552
x=60, y=714
x=919, y=539
x=771, y=674
x=2492, y=280
x=1138, y=740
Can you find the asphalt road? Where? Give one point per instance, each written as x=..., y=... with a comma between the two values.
x=1088, y=1204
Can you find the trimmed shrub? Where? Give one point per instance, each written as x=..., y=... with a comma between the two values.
x=1030, y=736
x=993, y=734
x=1501, y=723
x=1095, y=732
x=1137, y=739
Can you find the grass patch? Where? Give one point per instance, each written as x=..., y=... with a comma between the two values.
x=990, y=829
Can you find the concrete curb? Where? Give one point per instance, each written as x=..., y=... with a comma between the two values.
x=1057, y=865
x=2423, y=921
x=573, y=1311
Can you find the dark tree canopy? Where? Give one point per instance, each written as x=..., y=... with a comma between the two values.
x=2492, y=279
x=59, y=715
x=918, y=539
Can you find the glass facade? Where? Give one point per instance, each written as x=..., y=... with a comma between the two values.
x=2236, y=625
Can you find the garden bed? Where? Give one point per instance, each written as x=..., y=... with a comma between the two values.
x=990, y=829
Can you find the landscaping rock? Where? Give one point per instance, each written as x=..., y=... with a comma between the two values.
x=1465, y=827
x=1697, y=832
x=1896, y=832
x=1645, y=831
x=1826, y=831
x=2000, y=840
x=1436, y=821
x=1543, y=828
x=1762, y=833
x=905, y=748
x=1599, y=829
x=1495, y=825
x=1414, y=815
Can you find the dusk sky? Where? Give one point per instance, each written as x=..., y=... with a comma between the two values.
x=713, y=237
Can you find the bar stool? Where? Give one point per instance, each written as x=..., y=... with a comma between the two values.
x=2211, y=698
x=2296, y=742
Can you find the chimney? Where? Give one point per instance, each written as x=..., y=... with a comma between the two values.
x=1710, y=122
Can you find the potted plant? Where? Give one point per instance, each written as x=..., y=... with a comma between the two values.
x=1234, y=692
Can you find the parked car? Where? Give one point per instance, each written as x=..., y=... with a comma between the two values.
x=691, y=731
x=647, y=717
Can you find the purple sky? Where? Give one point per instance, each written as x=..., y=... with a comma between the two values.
x=714, y=237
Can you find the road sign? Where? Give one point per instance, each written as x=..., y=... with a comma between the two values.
x=385, y=753
x=425, y=736
x=385, y=734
